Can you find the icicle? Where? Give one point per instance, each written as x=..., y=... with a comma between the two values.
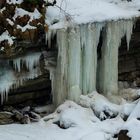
x=91, y=39
x=31, y=61
x=108, y=65
x=49, y=36
x=129, y=30
x=74, y=63
x=6, y=81
x=8, y=78
x=59, y=76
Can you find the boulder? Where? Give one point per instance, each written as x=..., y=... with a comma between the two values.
x=22, y=21
x=6, y=118
x=123, y=135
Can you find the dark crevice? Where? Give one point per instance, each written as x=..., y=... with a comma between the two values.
x=99, y=47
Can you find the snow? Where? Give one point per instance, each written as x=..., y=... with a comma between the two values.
x=69, y=12
x=19, y=12
x=133, y=126
x=1, y=10
x=94, y=101
x=6, y=36
x=71, y=121
x=10, y=21
x=26, y=27
x=135, y=113
x=14, y=1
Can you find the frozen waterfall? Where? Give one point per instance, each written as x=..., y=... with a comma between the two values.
x=78, y=71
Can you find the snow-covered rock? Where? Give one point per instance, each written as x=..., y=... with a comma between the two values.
x=69, y=12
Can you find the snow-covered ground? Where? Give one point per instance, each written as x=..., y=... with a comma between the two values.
x=67, y=12
x=87, y=121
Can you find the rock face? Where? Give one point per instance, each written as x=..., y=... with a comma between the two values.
x=22, y=31
x=24, y=27
x=123, y=135
x=129, y=61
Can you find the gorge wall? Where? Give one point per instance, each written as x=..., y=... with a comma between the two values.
x=22, y=41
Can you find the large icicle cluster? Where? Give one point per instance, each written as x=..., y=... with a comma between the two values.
x=108, y=65
x=77, y=67
x=24, y=68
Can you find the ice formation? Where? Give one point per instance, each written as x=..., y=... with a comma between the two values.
x=108, y=64
x=7, y=78
x=27, y=66
x=78, y=71
x=24, y=68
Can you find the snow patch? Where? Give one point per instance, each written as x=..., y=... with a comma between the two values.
x=70, y=121
x=14, y=1
x=88, y=11
x=6, y=36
